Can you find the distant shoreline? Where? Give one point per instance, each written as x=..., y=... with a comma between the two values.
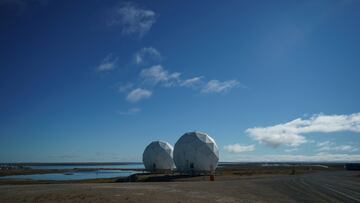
x=133, y=163
x=223, y=172
x=69, y=163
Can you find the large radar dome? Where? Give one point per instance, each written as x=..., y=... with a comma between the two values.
x=196, y=152
x=158, y=156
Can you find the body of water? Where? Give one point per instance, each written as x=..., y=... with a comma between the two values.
x=79, y=175
x=115, y=166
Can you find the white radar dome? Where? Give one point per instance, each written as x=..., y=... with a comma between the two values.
x=158, y=156
x=196, y=152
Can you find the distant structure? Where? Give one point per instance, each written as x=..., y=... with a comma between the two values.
x=158, y=157
x=195, y=153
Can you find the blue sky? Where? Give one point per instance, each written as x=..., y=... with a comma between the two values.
x=98, y=81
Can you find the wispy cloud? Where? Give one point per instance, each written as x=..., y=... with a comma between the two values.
x=238, y=148
x=133, y=19
x=126, y=87
x=216, y=86
x=147, y=55
x=291, y=150
x=138, y=94
x=324, y=146
x=291, y=133
x=331, y=146
x=345, y=148
x=131, y=111
x=192, y=82
x=109, y=63
x=157, y=74
x=321, y=157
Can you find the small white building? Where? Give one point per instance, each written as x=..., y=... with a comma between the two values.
x=158, y=156
x=196, y=152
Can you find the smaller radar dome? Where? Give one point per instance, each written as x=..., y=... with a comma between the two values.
x=196, y=152
x=158, y=156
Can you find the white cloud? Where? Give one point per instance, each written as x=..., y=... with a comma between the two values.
x=126, y=87
x=291, y=133
x=345, y=148
x=131, y=111
x=331, y=146
x=133, y=19
x=276, y=135
x=147, y=55
x=138, y=94
x=192, y=82
x=108, y=63
x=217, y=86
x=291, y=150
x=238, y=148
x=323, y=157
x=324, y=146
x=156, y=74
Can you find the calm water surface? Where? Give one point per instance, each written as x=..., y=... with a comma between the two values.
x=81, y=175
x=125, y=166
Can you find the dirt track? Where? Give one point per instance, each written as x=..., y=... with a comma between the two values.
x=343, y=186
